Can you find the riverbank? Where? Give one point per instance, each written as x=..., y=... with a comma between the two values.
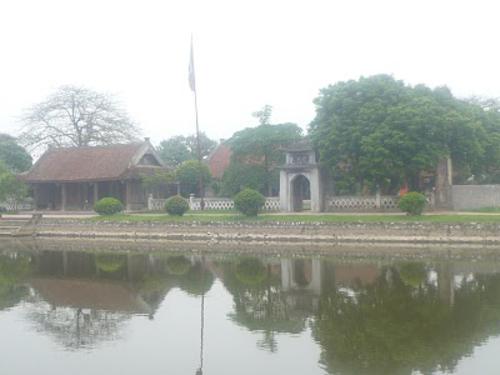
x=327, y=229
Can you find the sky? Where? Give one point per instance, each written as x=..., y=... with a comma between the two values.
x=247, y=54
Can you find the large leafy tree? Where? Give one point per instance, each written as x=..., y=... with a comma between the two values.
x=239, y=176
x=74, y=117
x=178, y=149
x=263, y=145
x=13, y=155
x=188, y=175
x=377, y=131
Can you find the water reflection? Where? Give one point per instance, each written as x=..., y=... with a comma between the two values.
x=368, y=317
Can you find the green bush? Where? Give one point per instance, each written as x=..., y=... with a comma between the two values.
x=108, y=206
x=176, y=205
x=412, y=203
x=249, y=202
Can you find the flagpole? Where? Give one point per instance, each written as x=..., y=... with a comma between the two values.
x=198, y=145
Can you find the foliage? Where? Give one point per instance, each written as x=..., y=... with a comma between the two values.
x=421, y=328
x=239, y=176
x=178, y=265
x=108, y=206
x=13, y=272
x=110, y=263
x=263, y=146
x=13, y=155
x=176, y=150
x=176, y=205
x=264, y=115
x=412, y=203
x=197, y=281
x=413, y=273
x=249, y=202
x=158, y=180
x=75, y=117
x=377, y=131
x=11, y=188
x=188, y=175
x=251, y=271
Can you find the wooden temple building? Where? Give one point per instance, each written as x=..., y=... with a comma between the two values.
x=76, y=178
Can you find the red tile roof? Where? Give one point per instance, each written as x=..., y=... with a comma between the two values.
x=219, y=160
x=83, y=163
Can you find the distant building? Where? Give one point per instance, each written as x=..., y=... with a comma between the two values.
x=76, y=178
x=219, y=159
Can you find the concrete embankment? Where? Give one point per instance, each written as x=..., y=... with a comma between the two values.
x=269, y=232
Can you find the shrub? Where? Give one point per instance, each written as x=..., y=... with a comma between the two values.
x=249, y=202
x=176, y=205
x=108, y=206
x=412, y=203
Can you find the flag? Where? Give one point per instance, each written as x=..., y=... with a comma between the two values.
x=192, y=80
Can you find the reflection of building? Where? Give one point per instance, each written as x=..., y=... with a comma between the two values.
x=301, y=274
x=90, y=294
x=350, y=275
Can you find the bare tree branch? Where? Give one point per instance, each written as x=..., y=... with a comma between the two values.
x=76, y=117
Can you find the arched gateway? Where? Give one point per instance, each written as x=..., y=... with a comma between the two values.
x=300, y=179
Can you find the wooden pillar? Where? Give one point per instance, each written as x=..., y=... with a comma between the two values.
x=36, y=196
x=96, y=192
x=63, y=197
x=128, y=195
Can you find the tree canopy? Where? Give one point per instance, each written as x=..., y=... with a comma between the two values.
x=13, y=155
x=378, y=131
x=188, y=175
x=11, y=189
x=262, y=145
x=74, y=117
x=178, y=149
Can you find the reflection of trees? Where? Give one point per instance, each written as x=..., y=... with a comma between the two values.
x=260, y=304
x=400, y=326
x=14, y=269
x=197, y=280
x=76, y=328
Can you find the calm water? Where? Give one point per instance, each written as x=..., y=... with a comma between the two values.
x=97, y=312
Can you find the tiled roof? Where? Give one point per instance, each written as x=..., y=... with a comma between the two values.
x=219, y=160
x=83, y=163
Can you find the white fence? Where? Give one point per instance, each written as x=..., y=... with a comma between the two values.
x=216, y=204
x=368, y=203
x=356, y=203
x=14, y=205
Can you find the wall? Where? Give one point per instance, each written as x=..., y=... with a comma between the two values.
x=470, y=197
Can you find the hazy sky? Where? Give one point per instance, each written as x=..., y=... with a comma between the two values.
x=247, y=54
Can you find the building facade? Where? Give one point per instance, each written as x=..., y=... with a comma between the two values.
x=76, y=178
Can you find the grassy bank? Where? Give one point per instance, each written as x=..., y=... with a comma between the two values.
x=331, y=218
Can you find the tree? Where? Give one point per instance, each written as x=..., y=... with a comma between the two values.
x=207, y=145
x=264, y=115
x=263, y=145
x=11, y=189
x=377, y=131
x=75, y=117
x=239, y=176
x=178, y=149
x=13, y=155
x=188, y=175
